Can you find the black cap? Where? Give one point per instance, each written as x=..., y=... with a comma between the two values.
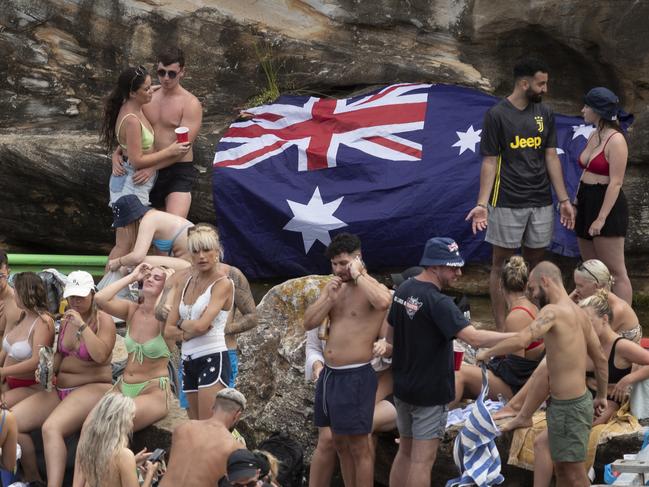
x=413, y=271
x=242, y=464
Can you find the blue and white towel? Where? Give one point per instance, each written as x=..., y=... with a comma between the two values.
x=475, y=451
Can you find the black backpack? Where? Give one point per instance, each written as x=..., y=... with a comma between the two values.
x=291, y=457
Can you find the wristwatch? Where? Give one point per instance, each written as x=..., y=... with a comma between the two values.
x=80, y=330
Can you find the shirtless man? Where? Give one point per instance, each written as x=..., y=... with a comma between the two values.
x=355, y=304
x=200, y=448
x=9, y=312
x=569, y=339
x=172, y=106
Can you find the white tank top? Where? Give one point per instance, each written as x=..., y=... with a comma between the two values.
x=214, y=340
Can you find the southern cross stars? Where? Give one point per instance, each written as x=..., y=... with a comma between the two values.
x=583, y=130
x=467, y=140
x=314, y=220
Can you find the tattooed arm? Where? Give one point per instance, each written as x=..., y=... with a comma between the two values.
x=244, y=302
x=539, y=327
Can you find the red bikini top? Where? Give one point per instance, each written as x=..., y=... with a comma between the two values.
x=537, y=343
x=598, y=164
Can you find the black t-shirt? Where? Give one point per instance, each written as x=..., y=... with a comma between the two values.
x=519, y=139
x=425, y=322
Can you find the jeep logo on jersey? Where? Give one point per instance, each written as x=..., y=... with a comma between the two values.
x=529, y=142
x=412, y=305
x=539, y=122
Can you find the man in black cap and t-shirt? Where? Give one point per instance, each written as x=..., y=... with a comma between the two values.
x=423, y=324
x=519, y=162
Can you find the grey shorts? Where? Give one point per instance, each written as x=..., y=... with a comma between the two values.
x=420, y=422
x=512, y=228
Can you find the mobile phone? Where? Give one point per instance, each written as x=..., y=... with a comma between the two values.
x=157, y=455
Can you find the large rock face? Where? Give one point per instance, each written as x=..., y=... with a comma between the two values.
x=61, y=57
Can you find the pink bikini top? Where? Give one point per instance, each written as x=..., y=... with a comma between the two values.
x=598, y=164
x=82, y=353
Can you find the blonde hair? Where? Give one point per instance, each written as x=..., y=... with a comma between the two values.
x=596, y=271
x=599, y=303
x=515, y=274
x=203, y=236
x=273, y=463
x=107, y=433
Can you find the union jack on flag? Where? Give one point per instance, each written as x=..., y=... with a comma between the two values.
x=396, y=167
x=320, y=126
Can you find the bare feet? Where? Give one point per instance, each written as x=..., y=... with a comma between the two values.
x=517, y=422
x=505, y=412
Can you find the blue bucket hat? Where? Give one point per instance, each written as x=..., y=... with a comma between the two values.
x=441, y=251
x=128, y=209
x=603, y=102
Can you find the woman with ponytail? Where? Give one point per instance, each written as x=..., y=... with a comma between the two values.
x=509, y=373
x=602, y=212
x=125, y=123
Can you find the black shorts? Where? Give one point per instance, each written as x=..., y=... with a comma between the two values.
x=177, y=178
x=512, y=370
x=206, y=371
x=344, y=400
x=589, y=201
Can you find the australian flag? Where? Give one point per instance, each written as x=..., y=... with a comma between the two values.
x=396, y=167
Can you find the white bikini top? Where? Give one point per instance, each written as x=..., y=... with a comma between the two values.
x=214, y=340
x=20, y=350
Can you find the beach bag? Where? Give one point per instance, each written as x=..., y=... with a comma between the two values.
x=289, y=452
x=53, y=289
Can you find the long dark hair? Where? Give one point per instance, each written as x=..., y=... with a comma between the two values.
x=129, y=80
x=604, y=124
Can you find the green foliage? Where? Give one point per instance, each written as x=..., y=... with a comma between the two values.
x=271, y=91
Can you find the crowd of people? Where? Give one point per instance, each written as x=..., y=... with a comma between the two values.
x=381, y=359
x=579, y=351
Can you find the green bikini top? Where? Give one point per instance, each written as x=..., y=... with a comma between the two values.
x=147, y=135
x=154, y=348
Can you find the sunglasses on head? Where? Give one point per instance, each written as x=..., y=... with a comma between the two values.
x=582, y=267
x=139, y=71
x=163, y=72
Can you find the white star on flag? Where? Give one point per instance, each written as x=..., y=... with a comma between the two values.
x=467, y=140
x=314, y=220
x=560, y=151
x=583, y=130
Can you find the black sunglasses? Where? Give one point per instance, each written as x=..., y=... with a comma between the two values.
x=163, y=72
x=582, y=267
x=139, y=71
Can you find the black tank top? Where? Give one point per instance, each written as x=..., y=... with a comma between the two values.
x=615, y=374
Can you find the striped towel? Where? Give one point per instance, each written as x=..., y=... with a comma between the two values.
x=474, y=451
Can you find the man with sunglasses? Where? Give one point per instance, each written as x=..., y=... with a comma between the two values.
x=172, y=106
x=9, y=311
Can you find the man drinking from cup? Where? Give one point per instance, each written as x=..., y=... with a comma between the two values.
x=172, y=108
x=423, y=323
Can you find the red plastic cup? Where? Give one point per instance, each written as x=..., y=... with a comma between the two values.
x=182, y=135
x=458, y=356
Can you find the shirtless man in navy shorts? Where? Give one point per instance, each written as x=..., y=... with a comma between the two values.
x=355, y=304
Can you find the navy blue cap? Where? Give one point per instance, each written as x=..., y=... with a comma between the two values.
x=603, y=102
x=441, y=251
x=127, y=209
